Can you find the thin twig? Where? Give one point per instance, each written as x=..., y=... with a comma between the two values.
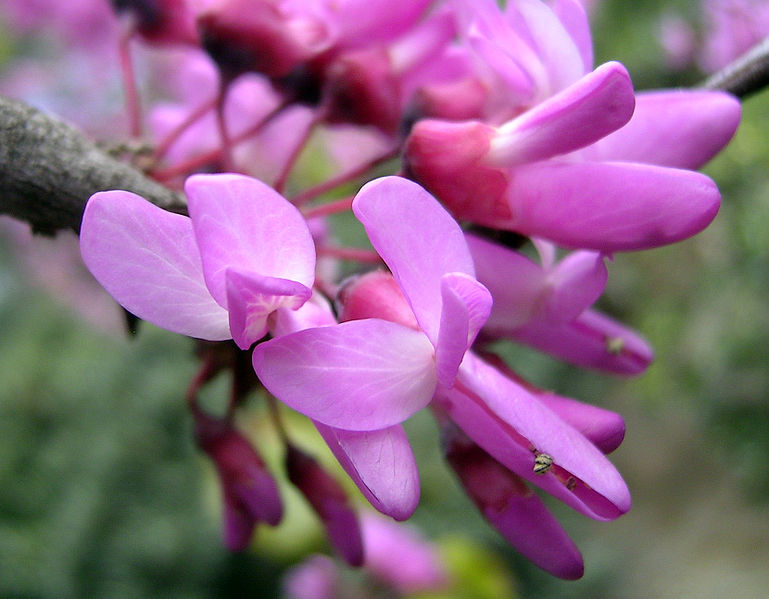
x=744, y=76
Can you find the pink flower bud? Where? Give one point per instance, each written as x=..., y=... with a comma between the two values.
x=329, y=501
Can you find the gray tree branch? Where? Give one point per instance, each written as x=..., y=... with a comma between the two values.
x=48, y=170
x=746, y=75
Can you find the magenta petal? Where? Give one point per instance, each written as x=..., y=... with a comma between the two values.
x=592, y=107
x=251, y=298
x=238, y=523
x=531, y=529
x=418, y=240
x=575, y=283
x=359, y=375
x=466, y=306
x=574, y=19
x=381, y=464
x=516, y=283
x=511, y=424
x=592, y=340
x=677, y=128
x=604, y=428
x=241, y=223
x=146, y=258
x=610, y=206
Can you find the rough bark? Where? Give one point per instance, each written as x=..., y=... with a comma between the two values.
x=48, y=170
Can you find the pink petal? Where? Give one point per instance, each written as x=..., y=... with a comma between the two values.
x=511, y=424
x=592, y=107
x=677, y=128
x=553, y=44
x=605, y=429
x=592, y=340
x=466, y=306
x=146, y=258
x=575, y=284
x=241, y=223
x=573, y=17
x=610, y=206
x=516, y=283
x=381, y=464
x=512, y=508
x=360, y=375
x=418, y=240
x=238, y=522
x=251, y=298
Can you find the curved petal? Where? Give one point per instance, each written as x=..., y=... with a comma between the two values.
x=575, y=284
x=252, y=298
x=381, y=464
x=418, y=240
x=592, y=340
x=513, y=508
x=515, y=281
x=466, y=306
x=676, y=128
x=242, y=223
x=604, y=428
x=359, y=375
x=574, y=19
x=146, y=258
x=513, y=426
x=587, y=110
x=610, y=206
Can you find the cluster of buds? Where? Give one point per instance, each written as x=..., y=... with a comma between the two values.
x=499, y=133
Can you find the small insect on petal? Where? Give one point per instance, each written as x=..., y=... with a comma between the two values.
x=615, y=345
x=542, y=463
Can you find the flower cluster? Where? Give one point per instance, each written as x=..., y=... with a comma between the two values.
x=501, y=133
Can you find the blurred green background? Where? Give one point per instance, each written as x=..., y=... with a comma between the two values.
x=102, y=493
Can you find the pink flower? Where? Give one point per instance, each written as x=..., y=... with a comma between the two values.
x=244, y=253
x=548, y=306
x=370, y=374
x=573, y=166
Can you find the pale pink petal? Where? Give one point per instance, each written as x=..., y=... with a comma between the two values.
x=574, y=19
x=251, y=298
x=398, y=556
x=512, y=425
x=316, y=312
x=358, y=375
x=610, y=206
x=592, y=340
x=418, y=240
x=146, y=258
x=241, y=223
x=575, y=284
x=512, y=507
x=381, y=464
x=589, y=109
x=604, y=428
x=547, y=36
x=516, y=283
x=677, y=128
x=466, y=306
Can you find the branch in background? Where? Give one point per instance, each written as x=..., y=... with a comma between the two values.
x=746, y=75
x=48, y=170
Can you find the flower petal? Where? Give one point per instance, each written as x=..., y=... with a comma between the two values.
x=592, y=340
x=381, y=464
x=418, y=240
x=147, y=259
x=512, y=425
x=241, y=223
x=604, y=428
x=677, y=128
x=575, y=284
x=359, y=375
x=610, y=206
x=466, y=306
x=587, y=110
x=251, y=298
x=513, y=508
